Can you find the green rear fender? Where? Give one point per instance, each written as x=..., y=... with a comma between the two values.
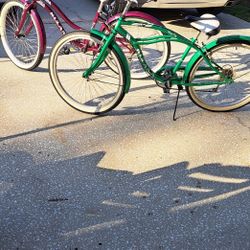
x=209, y=46
x=123, y=59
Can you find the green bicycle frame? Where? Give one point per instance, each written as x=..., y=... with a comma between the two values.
x=168, y=36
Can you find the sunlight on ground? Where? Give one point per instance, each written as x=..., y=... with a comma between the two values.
x=163, y=147
x=211, y=200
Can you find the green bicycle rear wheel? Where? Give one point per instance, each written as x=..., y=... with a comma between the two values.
x=233, y=60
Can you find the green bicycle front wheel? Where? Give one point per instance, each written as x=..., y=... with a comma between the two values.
x=102, y=91
x=233, y=60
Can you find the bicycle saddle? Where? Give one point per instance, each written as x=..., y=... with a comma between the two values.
x=207, y=23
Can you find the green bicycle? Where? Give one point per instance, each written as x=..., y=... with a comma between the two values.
x=93, y=76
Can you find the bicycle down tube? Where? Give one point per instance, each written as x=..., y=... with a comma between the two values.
x=52, y=9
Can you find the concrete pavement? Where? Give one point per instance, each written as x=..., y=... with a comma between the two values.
x=132, y=179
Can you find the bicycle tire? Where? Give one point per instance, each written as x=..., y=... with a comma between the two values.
x=156, y=55
x=102, y=91
x=25, y=51
x=234, y=60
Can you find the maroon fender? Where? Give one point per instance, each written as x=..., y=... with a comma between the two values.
x=41, y=30
x=137, y=14
x=40, y=26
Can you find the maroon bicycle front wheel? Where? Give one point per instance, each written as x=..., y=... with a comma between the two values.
x=25, y=49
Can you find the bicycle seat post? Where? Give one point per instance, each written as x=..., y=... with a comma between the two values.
x=128, y=5
x=98, y=13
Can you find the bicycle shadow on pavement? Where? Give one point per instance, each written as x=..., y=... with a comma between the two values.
x=166, y=103
x=73, y=203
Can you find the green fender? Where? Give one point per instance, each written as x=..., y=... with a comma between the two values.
x=207, y=47
x=120, y=53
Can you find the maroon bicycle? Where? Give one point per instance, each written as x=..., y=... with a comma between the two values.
x=24, y=38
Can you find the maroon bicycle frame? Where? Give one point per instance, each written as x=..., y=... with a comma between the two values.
x=30, y=6
x=52, y=9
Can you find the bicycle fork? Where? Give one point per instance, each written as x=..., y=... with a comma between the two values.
x=100, y=58
x=27, y=8
x=103, y=50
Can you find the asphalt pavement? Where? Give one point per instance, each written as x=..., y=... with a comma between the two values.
x=132, y=179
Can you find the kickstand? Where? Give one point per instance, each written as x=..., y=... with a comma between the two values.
x=176, y=104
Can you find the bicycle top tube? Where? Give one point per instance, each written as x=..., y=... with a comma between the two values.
x=53, y=10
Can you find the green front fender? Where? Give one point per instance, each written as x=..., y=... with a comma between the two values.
x=121, y=55
x=209, y=46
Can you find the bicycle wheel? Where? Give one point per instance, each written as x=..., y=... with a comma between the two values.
x=102, y=91
x=156, y=54
x=234, y=61
x=25, y=50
